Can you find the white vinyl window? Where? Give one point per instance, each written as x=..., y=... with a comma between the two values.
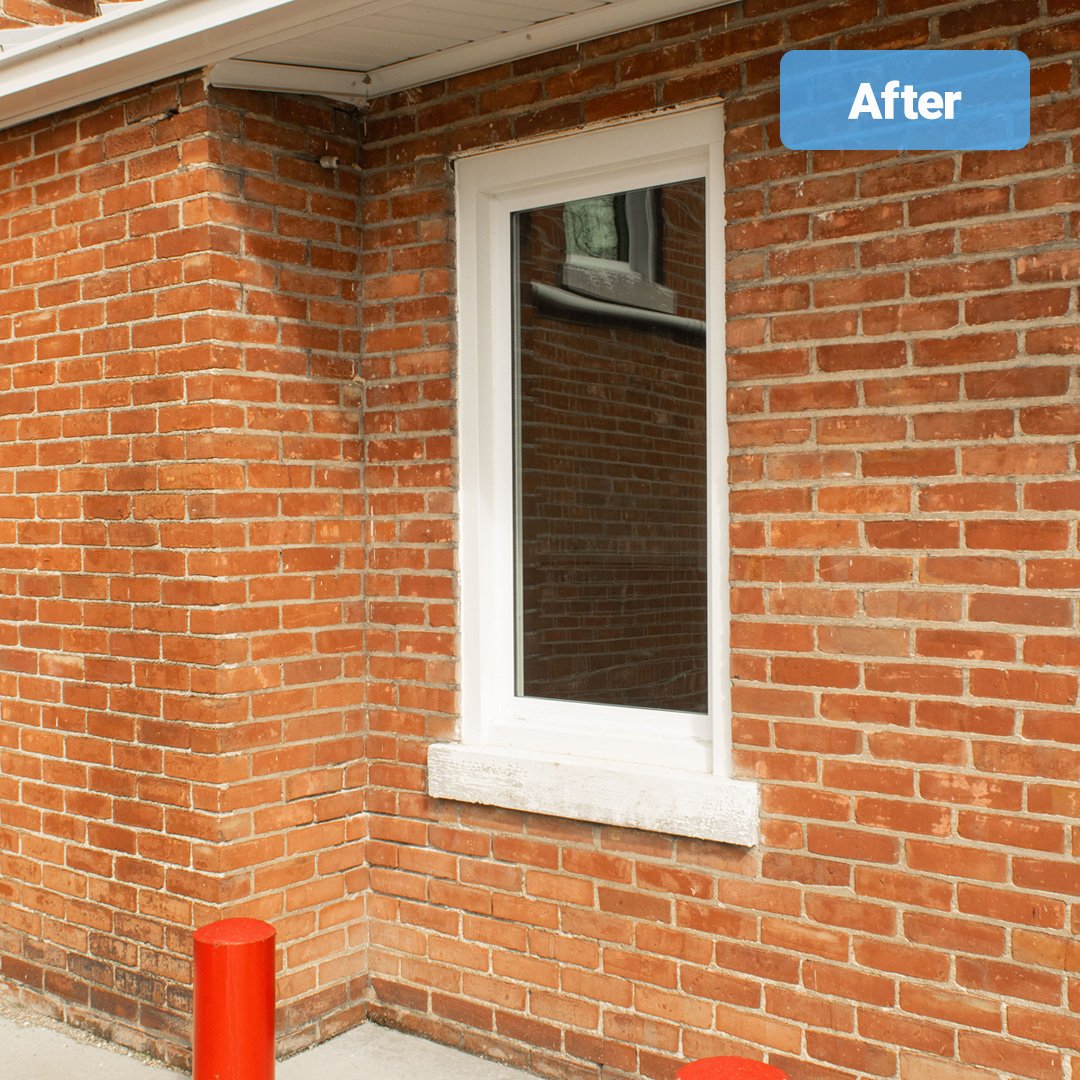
x=593, y=498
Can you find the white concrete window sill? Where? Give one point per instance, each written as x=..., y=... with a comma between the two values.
x=700, y=805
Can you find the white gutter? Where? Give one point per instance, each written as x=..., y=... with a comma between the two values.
x=350, y=86
x=136, y=45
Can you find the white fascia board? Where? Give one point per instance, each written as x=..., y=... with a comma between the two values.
x=701, y=805
x=610, y=18
x=153, y=40
x=349, y=86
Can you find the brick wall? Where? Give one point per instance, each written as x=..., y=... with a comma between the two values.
x=180, y=516
x=193, y=700
x=902, y=365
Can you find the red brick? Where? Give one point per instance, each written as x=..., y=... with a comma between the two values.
x=1010, y=906
x=1020, y=610
x=848, y=982
x=951, y=1006
x=956, y=860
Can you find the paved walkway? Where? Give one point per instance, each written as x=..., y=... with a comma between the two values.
x=33, y=1052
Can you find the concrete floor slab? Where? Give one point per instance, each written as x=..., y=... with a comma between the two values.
x=32, y=1051
x=370, y=1052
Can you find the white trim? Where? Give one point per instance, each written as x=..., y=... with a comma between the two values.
x=636, y=797
x=516, y=44
x=348, y=86
x=134, y=44
x=153, y=40
x=719, y=516
x=504, y=735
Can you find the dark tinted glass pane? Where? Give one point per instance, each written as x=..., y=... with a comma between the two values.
x=611, y=452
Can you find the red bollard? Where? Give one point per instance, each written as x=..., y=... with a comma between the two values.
x=729, y=1068
x=234, y=1001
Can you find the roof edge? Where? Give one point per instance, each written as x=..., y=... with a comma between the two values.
x=156, y=39
x=137, y=44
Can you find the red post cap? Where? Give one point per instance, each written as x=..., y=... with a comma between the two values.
x=234, y=932
x=729, y=1068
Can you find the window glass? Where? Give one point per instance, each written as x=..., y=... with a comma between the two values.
x=595, y=227
x=610, y=465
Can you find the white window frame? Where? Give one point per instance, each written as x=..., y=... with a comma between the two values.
x=643, y=768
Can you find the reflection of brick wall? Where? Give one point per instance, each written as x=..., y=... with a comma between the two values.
x=682, y=211
x=614, y=594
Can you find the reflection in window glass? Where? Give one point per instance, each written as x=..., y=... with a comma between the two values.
x=594, y=226
x=610, y=469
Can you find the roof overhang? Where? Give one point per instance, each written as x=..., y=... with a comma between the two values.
x=132, y=45
x=152, y=40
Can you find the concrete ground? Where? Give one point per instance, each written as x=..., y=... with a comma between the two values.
x=32, y=1051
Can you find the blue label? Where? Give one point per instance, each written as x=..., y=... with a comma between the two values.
x=905, y=99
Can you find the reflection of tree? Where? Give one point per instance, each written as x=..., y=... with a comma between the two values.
x=593, y=227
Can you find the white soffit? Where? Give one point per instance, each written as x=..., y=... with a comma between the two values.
x=425, y=40
x=346, y=49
